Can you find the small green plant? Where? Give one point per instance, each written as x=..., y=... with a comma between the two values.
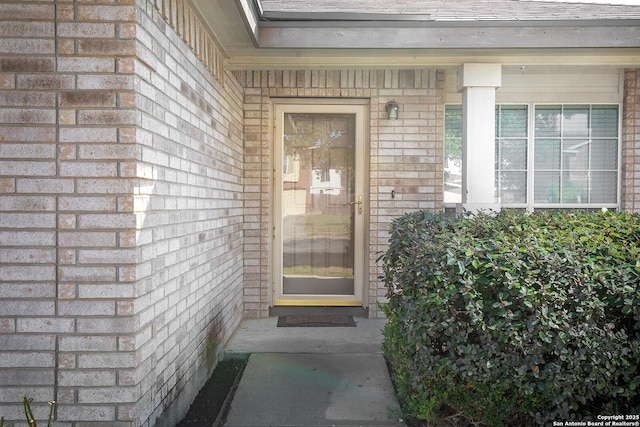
x=26, y=402
x=30, y=418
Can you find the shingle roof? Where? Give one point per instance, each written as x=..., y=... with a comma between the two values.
x=462, y=10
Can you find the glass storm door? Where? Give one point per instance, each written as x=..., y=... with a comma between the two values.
x=319, y=205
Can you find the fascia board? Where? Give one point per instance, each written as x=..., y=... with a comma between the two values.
x=525, y=35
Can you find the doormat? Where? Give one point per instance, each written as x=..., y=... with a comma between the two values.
x=315, y=321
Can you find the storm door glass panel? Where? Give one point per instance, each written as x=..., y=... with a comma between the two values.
x=317, y=208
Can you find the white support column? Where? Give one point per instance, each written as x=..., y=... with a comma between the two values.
x=478, y=83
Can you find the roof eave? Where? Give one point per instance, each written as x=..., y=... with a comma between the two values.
x=451, y=35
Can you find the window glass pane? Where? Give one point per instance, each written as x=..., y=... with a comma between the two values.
x=604, y=154
x=604, y=121
x=575, y=187
x=547, y=187
x=575, y=155
x=547, y=154
x=513, y=187
x=453, y=154
x=604, y=187
x=512, y=121
x=513, y=154
x=575, y=121
x=547, y=121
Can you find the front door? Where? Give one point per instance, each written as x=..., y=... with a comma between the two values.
x=320, y=204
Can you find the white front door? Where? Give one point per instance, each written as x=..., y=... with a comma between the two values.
x=320, y=204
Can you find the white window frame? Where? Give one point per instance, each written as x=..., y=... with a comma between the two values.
x=530, y=205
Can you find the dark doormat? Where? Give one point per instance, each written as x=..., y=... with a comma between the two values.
x=310, y=320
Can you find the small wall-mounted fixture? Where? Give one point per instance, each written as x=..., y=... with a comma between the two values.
x=392, y=110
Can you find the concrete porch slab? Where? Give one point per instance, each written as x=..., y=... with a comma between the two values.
x=312, y=376
x=290, y=389
x=263, y=336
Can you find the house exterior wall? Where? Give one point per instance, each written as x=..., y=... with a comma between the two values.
x=67, y=223
x=189, y=213
x=120, y=214
x=405, y=156
x=136, y=199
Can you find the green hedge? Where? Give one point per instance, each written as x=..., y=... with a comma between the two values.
x=514, y=318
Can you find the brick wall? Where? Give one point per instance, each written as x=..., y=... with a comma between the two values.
x=67, y=169
x=120, y=213
x=188, y=207
x=631, y=142
x=406, y=156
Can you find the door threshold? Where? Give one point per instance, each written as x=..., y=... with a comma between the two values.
x=318, y=311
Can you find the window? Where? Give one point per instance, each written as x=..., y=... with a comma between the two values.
x=453, y=154
x=547, y=156
x=576, y=155
x=511, y=153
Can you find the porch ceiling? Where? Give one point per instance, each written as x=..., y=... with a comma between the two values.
x=399, y=33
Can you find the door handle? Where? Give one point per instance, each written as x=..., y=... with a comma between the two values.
x=359, y=202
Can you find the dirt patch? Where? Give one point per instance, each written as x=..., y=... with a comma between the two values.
x=211, y=404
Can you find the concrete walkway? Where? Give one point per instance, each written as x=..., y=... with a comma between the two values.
x=308, y=376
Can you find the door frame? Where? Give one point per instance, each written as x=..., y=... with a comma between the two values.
x=359, y=107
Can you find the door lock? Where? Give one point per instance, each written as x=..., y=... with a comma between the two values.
x=359, y=202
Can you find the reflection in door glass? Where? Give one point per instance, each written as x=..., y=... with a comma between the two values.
x=318, y=168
